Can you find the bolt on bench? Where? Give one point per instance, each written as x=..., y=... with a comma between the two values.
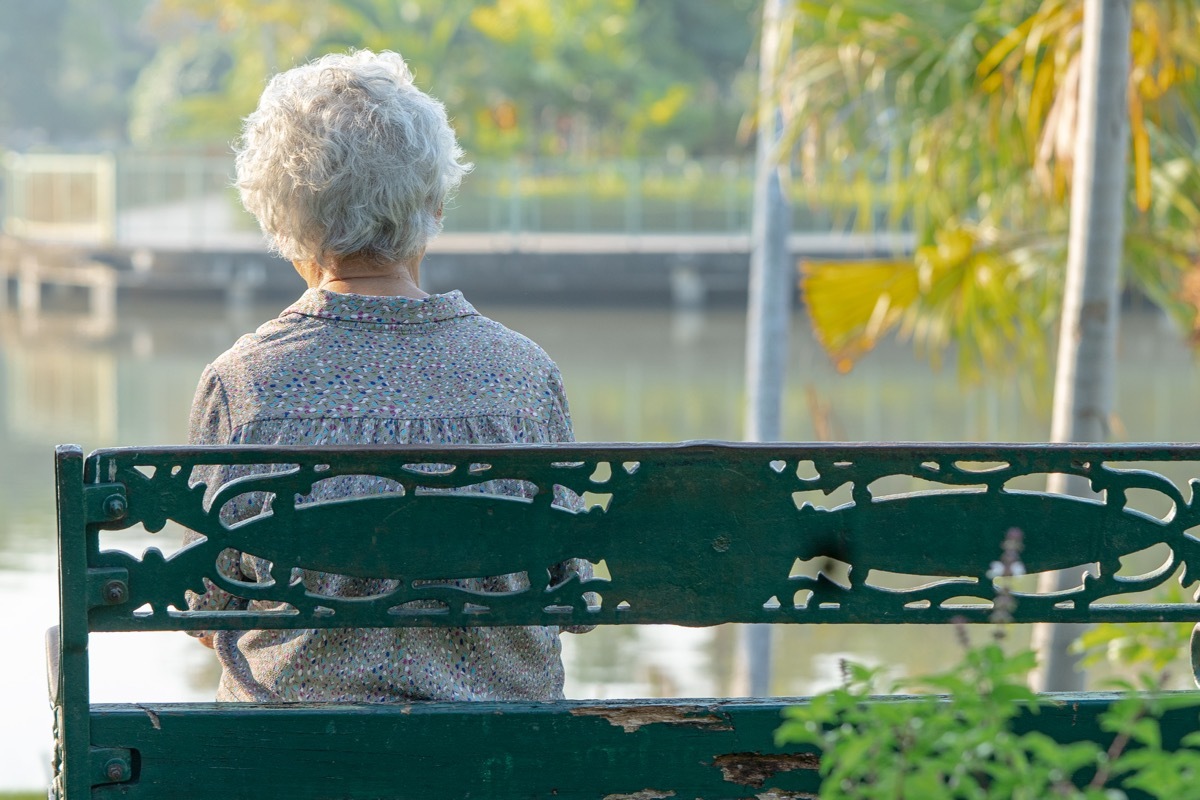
x=693, y=534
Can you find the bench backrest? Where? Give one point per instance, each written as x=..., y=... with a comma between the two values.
x=695, y=534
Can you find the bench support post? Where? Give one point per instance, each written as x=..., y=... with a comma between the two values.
x=73, y=692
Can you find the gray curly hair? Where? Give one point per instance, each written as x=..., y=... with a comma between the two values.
x=345, y=156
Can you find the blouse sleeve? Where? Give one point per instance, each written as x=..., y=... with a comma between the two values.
x=210, y=423
x=561, y=429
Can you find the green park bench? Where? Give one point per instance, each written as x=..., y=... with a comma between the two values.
x=691, y=534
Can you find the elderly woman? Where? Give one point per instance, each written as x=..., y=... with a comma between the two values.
x=347, y=166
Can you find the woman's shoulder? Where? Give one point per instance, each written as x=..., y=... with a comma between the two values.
x=252, y=351
x=497, y=341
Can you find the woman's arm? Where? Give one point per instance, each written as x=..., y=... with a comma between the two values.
x=561, y=430
x=210, y=423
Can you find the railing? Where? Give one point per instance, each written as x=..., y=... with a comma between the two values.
x=185, y=198
x=754, y=533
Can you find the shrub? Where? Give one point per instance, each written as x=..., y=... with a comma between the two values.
x=960, y=737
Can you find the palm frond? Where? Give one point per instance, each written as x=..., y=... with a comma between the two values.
x=961, y=117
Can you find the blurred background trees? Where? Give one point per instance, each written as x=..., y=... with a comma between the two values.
x=68, y=68
x=520, y=77
x=951, y=119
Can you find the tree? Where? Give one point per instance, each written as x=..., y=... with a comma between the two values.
x=521, y=77
x=956, y=119
x=1087, y=344
x=769, y=306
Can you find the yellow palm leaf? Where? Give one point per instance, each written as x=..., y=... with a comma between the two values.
x=852, y=304
x=1141, y=152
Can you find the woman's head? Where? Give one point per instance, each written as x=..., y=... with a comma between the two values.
x=346, y=158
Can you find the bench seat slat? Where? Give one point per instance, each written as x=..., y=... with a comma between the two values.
x=643, y=749
x=445, y=750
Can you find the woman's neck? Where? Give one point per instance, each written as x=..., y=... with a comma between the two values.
x=392, y=286
x=359, y=276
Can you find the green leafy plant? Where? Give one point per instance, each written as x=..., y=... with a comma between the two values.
x=1126, y=645
x=970, y=732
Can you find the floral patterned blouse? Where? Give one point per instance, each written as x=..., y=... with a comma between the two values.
x=354, y=369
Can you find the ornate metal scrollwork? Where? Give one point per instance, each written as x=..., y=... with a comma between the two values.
x=694, y=534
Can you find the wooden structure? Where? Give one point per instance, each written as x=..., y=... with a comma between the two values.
x=693, y=534
x=35, y=267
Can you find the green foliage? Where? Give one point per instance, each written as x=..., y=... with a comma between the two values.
x=966, y=287
x=962, y=734
x=930, y=747
x=1153, y=648
x=963, y=741
x=961, y=116
x=520, y=77
x=1140, y=761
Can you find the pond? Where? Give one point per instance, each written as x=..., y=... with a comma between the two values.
x=632, y=375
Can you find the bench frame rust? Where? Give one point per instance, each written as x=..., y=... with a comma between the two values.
x=697, y=533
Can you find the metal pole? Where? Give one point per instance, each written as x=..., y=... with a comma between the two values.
x=768, y=310
x=1087, y=344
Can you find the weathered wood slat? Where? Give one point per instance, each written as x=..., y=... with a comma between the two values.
x=709, y=749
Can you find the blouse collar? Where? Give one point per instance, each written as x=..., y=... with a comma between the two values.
x=380, y=309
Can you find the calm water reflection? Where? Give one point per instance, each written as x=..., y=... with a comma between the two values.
x=636, y=375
